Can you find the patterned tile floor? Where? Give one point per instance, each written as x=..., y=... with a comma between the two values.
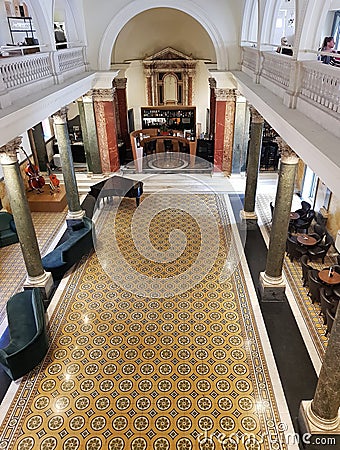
x=167, y=366
x=12, y=266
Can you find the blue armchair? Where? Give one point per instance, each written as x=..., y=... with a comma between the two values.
x=8, y=233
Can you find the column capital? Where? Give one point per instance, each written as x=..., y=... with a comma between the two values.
x=8, y=152
x=103, y=95
x=288, y=156
x=225, y=94
x=60, y=117
x=255, y=115
x=120, y=83
x=212, y=83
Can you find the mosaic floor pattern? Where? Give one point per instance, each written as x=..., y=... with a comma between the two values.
x=126, y=371
x=292, y=269
x=46, y=226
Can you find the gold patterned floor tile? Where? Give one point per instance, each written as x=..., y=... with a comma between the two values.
x=12, y=265
x=124, y=370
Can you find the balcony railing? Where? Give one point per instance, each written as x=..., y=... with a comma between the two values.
x=296, y=82
x=39, y=70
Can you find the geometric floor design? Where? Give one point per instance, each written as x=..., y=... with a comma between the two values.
x=12, y=265
x=169, y=371
x=293, y=272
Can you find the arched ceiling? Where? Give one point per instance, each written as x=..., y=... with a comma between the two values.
x=155, y=29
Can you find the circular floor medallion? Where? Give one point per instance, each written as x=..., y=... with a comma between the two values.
x=167, y=161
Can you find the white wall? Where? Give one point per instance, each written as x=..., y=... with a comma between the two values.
x=220, y=18
x=136, y=92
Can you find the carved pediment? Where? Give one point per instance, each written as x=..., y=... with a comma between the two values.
x=168, y=54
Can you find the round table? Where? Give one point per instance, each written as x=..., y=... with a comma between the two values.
x=294, y=215
x=304, y=239
x=324, y=276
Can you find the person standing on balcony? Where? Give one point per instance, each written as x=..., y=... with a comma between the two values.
x=283, y=47
x=327, y=46
x=59, y=36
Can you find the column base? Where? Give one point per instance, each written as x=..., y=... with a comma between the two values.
x=315, y=432
x=271, y=289
x=75, y=215
x=44, y=282
x=250, y=218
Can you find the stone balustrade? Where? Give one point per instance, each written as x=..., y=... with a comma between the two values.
x=309, y=86
x=39, y=70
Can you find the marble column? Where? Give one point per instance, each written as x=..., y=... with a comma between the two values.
x=253, y=161
x=89, y=131
x=224, y=129
x=148, y=78
x=119, y=85
x=212, y=86
x=272, y=286
x=106, y=129
x=36, y=276
x=64, y=147
x=321, y=415
x=241, y=135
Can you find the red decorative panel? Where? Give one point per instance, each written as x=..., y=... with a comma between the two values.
x=219, y=133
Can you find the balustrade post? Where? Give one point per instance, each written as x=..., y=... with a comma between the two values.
x=55, y=66
x=258, y=67
x=292, y=93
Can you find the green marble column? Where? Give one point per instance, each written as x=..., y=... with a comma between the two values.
x=64, y=147
x=321, y=415
x=89, y=129
x=255, y=145
x=271, y=282
x=36, y=276
x=326, y=402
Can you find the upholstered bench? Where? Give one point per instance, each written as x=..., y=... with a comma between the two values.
x=65, y=255
x=8, y=234
x=28, y=338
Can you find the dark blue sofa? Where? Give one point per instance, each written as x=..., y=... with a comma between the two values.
x=8, y=234
x=28, y=337
x=65, y=255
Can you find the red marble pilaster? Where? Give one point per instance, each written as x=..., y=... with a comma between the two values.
x=106, y=129
x=224, y=129
x=212, y=85
x=121, y=110
x=219, y=134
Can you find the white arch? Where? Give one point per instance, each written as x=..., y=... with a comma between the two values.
x=312, y=27
x=138, y=6
x=249, y=28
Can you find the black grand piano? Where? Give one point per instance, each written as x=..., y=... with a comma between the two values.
x=118, y=187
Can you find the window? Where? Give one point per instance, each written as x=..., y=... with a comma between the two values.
x=336, y=30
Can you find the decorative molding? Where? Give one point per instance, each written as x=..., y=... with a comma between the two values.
x=212, y=83
x=288, y=156
x=255, y=115
x=9, y=151
x=225, y=94
x=120, y=83
x=60, y=117
x=168, y=53
x=103, y=95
